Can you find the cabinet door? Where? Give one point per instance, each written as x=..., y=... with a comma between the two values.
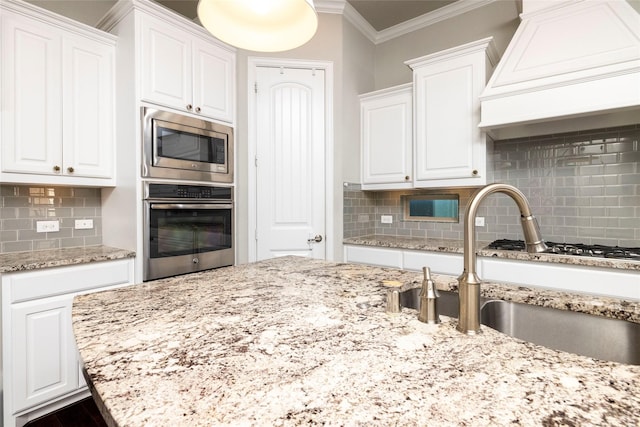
x=31, y=98
x=448, y=142
x=387, y=138
x=44, y=356
x=213, y=81
x=166, y=65
x=88, y=107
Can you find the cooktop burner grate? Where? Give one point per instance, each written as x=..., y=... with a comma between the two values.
x=578, y=249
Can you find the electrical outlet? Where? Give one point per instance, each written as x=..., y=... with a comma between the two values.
x=479, y=221
x=47, y=226
x=84, y=224
x=386, y=219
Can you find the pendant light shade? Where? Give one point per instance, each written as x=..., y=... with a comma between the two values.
x=260, y=25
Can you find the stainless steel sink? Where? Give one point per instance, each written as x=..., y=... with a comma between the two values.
x=588, y=335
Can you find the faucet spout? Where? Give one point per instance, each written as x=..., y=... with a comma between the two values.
x=468, y=281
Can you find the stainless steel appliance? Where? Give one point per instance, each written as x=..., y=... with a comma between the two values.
x=183, y=147
x=187, y=228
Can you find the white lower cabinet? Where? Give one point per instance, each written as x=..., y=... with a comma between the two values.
x=41, y=368
x=441, y=263
x=610, y=282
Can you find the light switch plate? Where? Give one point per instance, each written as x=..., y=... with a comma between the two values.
x=479, y=221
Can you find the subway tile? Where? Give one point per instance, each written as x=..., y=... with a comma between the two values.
x=46, y=244
x=71, y=242
x=17, y=246
x=8, y=236
x=17, y=224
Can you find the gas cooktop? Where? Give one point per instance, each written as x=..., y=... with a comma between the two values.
x=578, y=249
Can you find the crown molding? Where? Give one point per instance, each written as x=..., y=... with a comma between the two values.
x=343, y=8
x=419, y=22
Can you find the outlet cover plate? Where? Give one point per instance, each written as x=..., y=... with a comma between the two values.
x=47, y=226
x=386, y=219
x=83, y=224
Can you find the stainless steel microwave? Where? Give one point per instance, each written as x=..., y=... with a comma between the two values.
x=182, y=147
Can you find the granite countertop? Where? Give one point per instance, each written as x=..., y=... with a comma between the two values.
x=457, y=246
x=294, y=341
x=22, y=261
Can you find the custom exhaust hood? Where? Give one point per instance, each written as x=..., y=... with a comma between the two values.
x=571, y=65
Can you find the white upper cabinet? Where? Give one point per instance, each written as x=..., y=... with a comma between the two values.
x=181, y=70
x=58, y=99
x=449, y=148
x=386, y=134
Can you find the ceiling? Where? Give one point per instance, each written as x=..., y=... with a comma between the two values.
x=381, y=14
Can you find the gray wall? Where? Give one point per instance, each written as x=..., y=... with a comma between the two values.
x=498, y=19
x=583, y=187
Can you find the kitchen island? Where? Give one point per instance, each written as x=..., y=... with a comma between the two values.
x=294, y=341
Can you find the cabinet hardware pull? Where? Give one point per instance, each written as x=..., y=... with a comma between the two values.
x=70, y=169
x=475, y=172
x=189, y=107
x=407, y=178
x=56, y=168
x=197, y=109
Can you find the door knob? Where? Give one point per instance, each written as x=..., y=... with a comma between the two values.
x=316, y=239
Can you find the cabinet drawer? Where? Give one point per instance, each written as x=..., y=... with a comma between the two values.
x=24, y=286
x=441, y=263
x=373, y=256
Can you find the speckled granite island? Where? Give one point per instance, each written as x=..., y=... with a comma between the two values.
x=293, y=341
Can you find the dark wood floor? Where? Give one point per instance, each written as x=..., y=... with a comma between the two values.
x=81, y=414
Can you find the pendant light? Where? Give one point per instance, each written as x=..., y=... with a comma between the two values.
x=260, y=25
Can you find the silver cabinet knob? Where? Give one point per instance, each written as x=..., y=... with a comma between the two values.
x=189, y=107
x=70, y=169
x=197, y=109
x=56, y=168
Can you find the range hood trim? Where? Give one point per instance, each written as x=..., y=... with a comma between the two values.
x=594, y=89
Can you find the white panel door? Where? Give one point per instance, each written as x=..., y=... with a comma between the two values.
x=446, y=95
x=31, y=111
x=166, y=65
x=387, y=137
x=88, y=127
x=213, y=81
x=45, y=361
x=290, y=162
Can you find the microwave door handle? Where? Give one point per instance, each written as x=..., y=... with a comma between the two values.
x=166, y=206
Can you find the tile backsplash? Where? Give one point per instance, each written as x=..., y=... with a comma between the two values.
x=584, y=187
x=22, y=206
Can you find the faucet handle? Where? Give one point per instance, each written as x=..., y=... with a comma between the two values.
x=428, y=299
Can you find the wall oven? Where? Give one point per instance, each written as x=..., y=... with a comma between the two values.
x=187, y=228
x=182, y=147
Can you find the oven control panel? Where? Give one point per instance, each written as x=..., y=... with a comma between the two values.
x=181, y=191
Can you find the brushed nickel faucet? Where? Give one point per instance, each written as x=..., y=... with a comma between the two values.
x=468, y=281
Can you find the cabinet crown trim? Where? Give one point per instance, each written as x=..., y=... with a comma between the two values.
x=123, y=8
x=485, y=44
x=46, y=16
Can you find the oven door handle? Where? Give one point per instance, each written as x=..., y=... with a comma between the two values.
x=211, y=206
